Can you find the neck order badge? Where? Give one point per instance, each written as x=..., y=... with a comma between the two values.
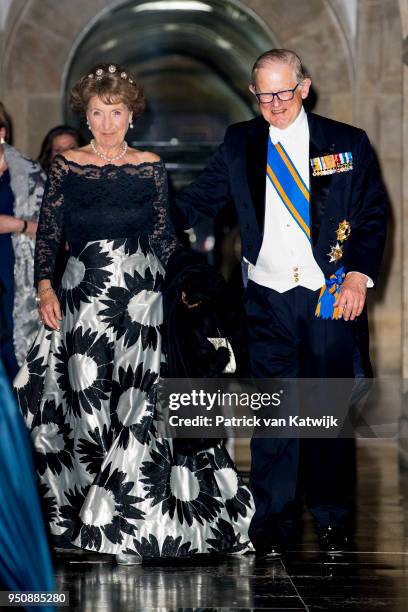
x=289, y=185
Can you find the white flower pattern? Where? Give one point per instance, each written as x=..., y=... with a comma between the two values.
x=111, y=485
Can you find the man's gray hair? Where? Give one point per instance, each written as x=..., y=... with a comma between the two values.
x=285, y=56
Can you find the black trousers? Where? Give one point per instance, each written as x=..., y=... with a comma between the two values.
x=285, y=340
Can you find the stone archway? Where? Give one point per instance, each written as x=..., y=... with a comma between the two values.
x=193, y=59
x=33, y=81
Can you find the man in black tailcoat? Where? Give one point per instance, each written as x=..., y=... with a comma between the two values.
x=312, y=214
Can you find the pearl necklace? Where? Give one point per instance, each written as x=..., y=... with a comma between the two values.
x=105, y=157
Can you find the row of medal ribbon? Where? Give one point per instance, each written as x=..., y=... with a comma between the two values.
x=330, y=164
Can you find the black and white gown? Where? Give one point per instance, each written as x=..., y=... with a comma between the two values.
x=87, y=392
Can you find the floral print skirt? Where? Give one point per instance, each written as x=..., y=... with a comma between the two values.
x=87, y=393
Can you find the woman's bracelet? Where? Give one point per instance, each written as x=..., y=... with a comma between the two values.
x=41, y=292
x=23, y=231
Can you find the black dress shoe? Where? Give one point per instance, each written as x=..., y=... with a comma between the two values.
x=332, y=538
x=272, y=551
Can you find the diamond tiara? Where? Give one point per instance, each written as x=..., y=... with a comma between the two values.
x=100, y=73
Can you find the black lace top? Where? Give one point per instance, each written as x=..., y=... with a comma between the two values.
x=89, y=202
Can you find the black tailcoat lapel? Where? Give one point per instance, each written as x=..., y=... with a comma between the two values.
x=319, y=185
x=256, y=158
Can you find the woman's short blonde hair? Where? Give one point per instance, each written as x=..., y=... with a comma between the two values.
x=112, y=84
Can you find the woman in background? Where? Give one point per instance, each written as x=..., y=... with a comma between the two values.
x=59, y=139
x=21, y=189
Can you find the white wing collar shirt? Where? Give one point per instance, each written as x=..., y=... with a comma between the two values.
x=286, y=259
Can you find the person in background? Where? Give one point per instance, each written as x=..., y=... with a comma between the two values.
x=26, y=564
x=21, y=189
x=59, y=139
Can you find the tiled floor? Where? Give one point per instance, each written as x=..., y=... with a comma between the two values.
x=374, y=576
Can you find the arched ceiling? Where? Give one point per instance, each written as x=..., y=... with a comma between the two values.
x=48, y=44
x=193, y=58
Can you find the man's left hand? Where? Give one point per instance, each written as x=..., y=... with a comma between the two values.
x=352, y=296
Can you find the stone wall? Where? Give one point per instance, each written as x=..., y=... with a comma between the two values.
x=403, y=446
x=404, y=185
x=378, y=109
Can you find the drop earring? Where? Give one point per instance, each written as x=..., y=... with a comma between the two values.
x=2, y=141
x=131, y=124
x=88, y=124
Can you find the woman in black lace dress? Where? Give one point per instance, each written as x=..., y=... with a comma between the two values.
x=87, y=389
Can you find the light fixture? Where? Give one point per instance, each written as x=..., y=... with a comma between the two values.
x=109, y=44
x=224, y=44
x=173, y=5
x=171, y=27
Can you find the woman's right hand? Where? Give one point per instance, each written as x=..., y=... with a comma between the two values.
x=50, y=310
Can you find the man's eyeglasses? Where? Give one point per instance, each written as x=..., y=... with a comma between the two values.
x=284, y=96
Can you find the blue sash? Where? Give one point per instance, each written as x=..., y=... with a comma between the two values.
x=289, y=185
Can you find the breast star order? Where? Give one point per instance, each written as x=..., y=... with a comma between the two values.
x=343, y=231
x=336, y=252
